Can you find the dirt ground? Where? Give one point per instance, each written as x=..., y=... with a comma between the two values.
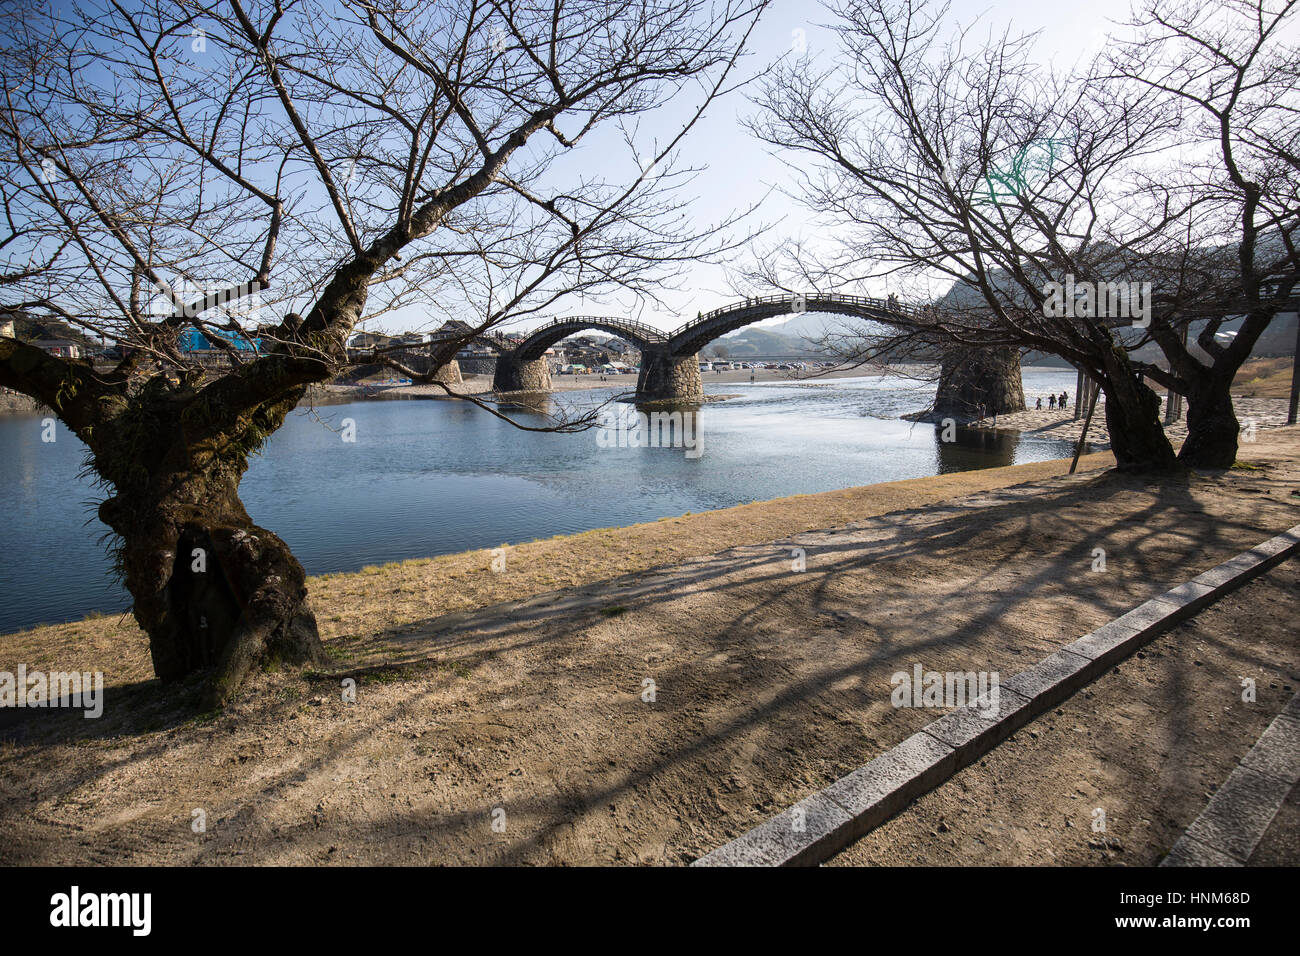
x=1147, y=744
x=651, y=718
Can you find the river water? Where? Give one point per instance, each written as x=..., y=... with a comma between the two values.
x=434, y=477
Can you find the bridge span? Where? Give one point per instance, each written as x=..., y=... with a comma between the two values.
x=670, y=369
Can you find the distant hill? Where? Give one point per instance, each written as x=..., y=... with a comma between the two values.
x=813, y=325
x=28, y=329
x=761, y=341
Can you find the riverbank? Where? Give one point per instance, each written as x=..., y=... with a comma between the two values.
x=765, y=681
x=1254, y=414
x=400, y=594
x=15, y=403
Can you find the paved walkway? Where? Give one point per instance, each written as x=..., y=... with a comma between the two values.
x=1232, y=829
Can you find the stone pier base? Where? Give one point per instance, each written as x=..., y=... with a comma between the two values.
x=669, y=378
x=513, y=375
x=969, y=378
x=449, y=374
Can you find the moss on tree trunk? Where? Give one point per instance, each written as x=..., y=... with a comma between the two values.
x=214, y=592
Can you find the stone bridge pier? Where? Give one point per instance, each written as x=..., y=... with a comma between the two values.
x=514, y=374
x=970, y=377
x=666, y=377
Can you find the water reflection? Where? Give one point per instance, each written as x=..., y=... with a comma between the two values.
x=972, y=448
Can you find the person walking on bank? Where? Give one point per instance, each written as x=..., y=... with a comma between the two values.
x=1040, y=403
x=1051, y=401
x=1065, y=400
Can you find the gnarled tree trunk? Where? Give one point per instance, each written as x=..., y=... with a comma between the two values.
x=213, y=591
x=1137, y=438
x=1212, y=426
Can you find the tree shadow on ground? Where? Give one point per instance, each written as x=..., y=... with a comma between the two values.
x=1055, y=530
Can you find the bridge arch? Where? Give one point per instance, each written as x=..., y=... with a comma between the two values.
x=669, y=361
x=540, y=339
x=689, y=338
x=987, y=378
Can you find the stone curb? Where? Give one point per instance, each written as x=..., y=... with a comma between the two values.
x=821, y=825
x=1240, y=812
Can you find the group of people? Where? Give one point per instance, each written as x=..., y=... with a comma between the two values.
x=1053, y=402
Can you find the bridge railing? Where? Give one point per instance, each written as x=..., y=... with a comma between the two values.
x=647, y=332
x=860, y=301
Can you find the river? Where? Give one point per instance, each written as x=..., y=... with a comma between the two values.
x=434, y=477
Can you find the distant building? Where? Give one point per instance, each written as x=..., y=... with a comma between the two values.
x=471, y=347
x=194, y=341
x=63, y=348
x=621, y=347
x=53, y=336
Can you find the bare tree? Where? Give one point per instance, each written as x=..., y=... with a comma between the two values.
x=172, y=164
x=933, y=160
x=941, y=158
x=1230, y=72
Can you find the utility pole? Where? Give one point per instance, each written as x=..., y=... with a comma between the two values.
x=1295, y=375
x=1174, y=400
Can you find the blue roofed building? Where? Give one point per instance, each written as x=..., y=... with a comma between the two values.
x=192, y=340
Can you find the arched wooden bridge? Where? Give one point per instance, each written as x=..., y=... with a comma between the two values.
x=670, y=368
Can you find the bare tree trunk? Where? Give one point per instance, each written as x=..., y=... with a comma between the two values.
x=1137, y=438
x=1212, y=426
x=213, y=591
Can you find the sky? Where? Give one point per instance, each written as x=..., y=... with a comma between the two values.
x=738, y=171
